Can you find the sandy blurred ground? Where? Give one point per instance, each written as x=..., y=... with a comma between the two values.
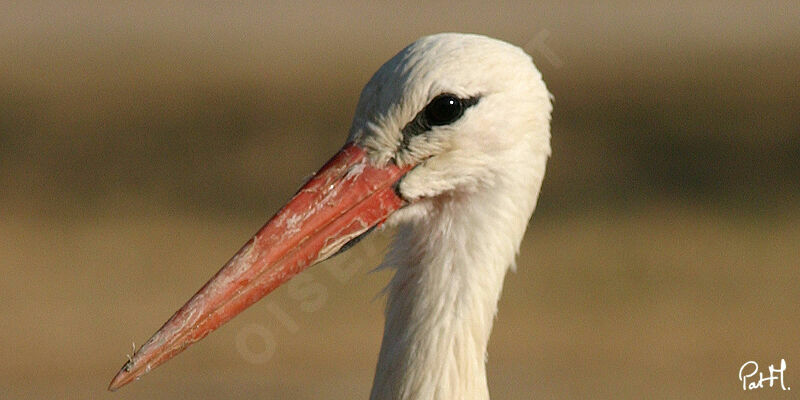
x=141, y=145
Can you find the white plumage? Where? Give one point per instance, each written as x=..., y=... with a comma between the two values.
x=449, y=143
x=471, y=199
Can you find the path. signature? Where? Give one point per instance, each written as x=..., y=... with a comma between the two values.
x=750, y=369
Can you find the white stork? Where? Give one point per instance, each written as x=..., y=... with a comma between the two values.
x=449, y=143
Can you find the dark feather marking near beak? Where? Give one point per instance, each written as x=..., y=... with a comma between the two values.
x=354, y=241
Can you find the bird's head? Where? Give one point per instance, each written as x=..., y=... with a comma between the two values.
x=450, y=114
x=462, y=110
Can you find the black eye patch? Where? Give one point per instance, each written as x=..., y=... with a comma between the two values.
x=444, y=109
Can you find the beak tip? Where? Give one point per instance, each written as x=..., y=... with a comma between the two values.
x=122, y=378
x=116, y=383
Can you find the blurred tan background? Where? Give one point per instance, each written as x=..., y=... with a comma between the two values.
x=141, y=144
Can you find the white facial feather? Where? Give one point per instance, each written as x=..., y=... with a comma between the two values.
x=472, y=191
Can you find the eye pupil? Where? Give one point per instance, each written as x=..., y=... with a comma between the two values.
x=444, y=110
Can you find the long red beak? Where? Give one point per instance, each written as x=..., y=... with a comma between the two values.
x=342, y=201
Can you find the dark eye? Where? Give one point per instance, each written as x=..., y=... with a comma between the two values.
x=443, y=110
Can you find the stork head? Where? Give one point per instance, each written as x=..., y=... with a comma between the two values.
x=450, y=114
x=462, y=110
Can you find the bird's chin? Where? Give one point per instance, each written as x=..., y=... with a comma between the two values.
x=411, y=213
x=420, y=209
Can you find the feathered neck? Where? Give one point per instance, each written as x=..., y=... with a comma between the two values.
x=450, y=264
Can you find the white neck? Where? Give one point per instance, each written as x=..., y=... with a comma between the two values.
x=441, y=303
